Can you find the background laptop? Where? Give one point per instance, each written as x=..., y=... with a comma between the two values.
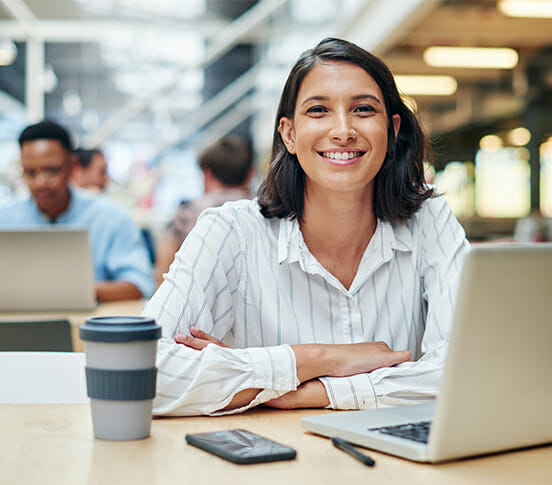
x=496, y=390
x=46, y=269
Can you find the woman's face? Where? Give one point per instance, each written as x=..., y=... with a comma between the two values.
x=339, y=128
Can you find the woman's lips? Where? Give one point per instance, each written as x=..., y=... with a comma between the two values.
x=343, y=157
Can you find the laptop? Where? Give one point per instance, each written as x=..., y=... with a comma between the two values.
x=496, y=389
x=46, y=269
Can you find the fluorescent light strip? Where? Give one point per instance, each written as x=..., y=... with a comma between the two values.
x=426, y=85
x=471, y=57
x=526, y=8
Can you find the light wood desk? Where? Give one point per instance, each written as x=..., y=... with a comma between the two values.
x=54, y=444
x=127, y=307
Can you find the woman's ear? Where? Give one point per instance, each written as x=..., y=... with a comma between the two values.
x=396, y=124
x=287, y=133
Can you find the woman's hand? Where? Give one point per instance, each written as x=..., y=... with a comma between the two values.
x=317, y=360
x=341, y=360
x=199, y=339
x=311, y=394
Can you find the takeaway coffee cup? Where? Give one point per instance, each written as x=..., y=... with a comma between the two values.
x=120, y=374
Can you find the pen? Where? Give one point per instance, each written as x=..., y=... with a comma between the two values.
x=348, y=448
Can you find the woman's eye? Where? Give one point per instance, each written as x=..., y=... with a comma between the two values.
x=365, y=108
x=317, y=109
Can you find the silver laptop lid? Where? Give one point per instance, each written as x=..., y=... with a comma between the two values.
x=46, y=269
x=496, y=392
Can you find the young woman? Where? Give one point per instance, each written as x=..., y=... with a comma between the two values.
x=335, y=287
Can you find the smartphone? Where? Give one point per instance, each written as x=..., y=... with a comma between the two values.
x=241, y=446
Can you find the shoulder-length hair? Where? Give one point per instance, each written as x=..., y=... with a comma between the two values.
x=399, y=186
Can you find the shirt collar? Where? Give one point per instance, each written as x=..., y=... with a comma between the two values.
x=387, y=238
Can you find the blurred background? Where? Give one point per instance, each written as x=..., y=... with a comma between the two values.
x=151, y=83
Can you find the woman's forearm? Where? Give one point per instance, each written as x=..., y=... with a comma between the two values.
x=340, y=360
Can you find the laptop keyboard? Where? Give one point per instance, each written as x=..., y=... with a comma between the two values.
x=411, y=431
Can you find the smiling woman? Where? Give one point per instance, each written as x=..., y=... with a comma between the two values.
x=336, y=286
x=339, y=130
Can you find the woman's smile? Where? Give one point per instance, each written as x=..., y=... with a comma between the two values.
x=342, y=157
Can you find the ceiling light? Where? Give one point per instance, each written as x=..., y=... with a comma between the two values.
x=475, y=57
x=71, y=103
x=519, y=136
x=546, y=149
x=526, y=8
x=49, y=79
x=8, y=52
x=426, y=85
x=490, y=143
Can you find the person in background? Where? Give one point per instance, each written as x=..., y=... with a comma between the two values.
x=90, y=169
x=336, y=286
x=227, y=168
x=121, y=266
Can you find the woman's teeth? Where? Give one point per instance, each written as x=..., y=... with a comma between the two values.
x=341, y=155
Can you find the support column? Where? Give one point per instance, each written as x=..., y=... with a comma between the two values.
x=34, y=75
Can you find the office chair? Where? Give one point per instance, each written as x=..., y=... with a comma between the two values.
x=44, y=335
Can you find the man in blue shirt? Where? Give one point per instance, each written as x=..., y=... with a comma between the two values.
x=122, y=269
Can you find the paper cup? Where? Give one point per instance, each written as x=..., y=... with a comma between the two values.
x=120, y=374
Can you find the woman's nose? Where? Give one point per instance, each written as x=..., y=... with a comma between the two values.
x=342, y=129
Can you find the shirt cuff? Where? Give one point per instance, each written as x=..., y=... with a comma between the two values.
x=275, y=372
x=354, y=392
x=274, y=368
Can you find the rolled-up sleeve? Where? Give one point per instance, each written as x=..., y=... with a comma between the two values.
x=200, y=290
x=126, y=257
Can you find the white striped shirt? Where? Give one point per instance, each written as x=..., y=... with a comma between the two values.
x=252, y=283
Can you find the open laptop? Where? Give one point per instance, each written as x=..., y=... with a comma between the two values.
x=496, y=389
x=46, y=269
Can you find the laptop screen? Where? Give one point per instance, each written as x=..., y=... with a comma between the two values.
x=46, y=269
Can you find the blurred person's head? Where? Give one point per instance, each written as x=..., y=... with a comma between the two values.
x=46, y=149
x=226, y=163
x=90, y=169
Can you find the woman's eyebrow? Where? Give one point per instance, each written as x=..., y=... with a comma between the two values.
x=367, y=96
x=314, y=98
x=356, y=98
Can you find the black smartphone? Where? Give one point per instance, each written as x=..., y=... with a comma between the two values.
x=241, y=446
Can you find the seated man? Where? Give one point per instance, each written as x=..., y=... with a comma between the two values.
x=227, y=168
x=121, y=266
x=90, y=169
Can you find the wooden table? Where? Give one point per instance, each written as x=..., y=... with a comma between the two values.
x=54, y=444
x=127, y=307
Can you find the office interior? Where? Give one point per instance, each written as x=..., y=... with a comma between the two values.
x=152, y=83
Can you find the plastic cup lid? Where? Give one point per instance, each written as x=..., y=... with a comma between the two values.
x=119, y=329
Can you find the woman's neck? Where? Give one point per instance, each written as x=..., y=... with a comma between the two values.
x=337, y=229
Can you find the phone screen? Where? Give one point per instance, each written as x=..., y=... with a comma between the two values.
x=241, y=446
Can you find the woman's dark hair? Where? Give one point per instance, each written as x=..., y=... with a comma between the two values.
x=399, y=186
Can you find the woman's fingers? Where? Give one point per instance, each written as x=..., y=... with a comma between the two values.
x=198, y=340
x=200, y=334
x=191, y=342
